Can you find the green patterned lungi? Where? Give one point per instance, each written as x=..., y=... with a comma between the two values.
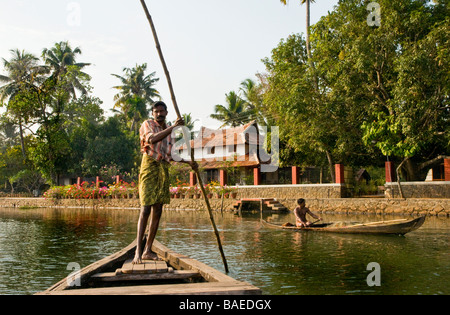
x=154, y=182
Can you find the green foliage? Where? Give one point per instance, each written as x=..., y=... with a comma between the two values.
x=380, y=90
x=50, y=151
x=316, y=127
x=27, y=180
x=110, y=144
x=11, y=163
x=68, y=131
x=407, y=75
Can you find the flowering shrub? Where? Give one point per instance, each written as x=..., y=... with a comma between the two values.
x=227, y=189
x=91, y=191
x=56, y=192
x=128, y=190
x=122, y=190
x=214, y=187
x=182, y=188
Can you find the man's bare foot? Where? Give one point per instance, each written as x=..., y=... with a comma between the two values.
x=150, y=256
x=137, y=259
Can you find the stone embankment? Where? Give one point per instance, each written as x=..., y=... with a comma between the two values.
x=410, y=206
x=413, y=206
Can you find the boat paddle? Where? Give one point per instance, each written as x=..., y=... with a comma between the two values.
x=186, y=137
x=316, y=221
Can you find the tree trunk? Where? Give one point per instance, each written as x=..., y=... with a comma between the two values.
x=22, y=143
x=398, y=177
x=12, y=185
x=308, y=23
x=331, y=165
x=308, y=44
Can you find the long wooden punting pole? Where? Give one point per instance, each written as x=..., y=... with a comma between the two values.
x=175, y=105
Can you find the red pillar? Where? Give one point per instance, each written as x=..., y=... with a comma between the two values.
x=192, y=179
x=447, y=170
x=295, y=173
x=79, y=181
x=256, y=176
x=118, y=178
x=339, y=173
x=390, y=172
x=97, y=182
x=223, y=177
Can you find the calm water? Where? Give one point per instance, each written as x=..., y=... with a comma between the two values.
x=37, y=245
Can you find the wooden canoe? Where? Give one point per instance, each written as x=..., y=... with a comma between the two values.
x=182, y=275
x=398, y=227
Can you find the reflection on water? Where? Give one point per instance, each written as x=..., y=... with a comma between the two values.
x=37, y=245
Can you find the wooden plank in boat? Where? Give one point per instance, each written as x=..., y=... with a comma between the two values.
x=161, y=266
x=179, y=261
x=147, y=266
x=128, y=266
x=170, y=275
x=206, y=288
x=140, y=268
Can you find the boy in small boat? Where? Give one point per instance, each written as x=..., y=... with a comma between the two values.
x=300, y=214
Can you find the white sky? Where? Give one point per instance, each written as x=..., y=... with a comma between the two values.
x=210, y=46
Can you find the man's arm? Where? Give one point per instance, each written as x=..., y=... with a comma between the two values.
x=296, y=213
x=160, y=136
x=313, y=215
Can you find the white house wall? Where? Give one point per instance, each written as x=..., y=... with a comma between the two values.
x=220, y=152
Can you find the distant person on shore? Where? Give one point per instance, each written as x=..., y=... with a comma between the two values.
x=156, y=146
x=300, y=214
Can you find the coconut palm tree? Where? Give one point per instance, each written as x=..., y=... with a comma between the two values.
x=249, y=90
x=58, y=59
x=252, y=94
x=235, y=113
x=136, y=93
x=308, y=22
x=21, y=68
x=308, y=44
x=23, y=71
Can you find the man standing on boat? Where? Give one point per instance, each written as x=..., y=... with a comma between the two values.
x=156, y=146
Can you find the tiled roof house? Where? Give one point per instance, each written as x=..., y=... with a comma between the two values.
x=238, y=147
